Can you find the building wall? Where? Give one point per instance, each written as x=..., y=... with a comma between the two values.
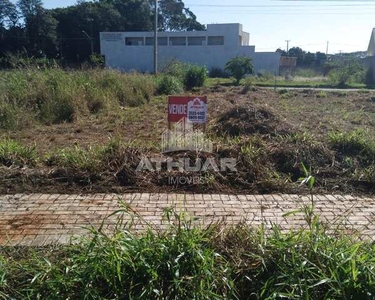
x=134, y=51
x=369, y=63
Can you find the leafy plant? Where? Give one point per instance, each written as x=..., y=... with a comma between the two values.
x=168, y=85
x=195, y=76
x=309, y=181
x=346, y=70
x=239, y=66
x=97, y=60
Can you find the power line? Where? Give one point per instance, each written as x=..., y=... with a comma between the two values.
x=276, y=6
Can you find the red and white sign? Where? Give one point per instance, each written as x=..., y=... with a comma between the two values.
x=194, y=109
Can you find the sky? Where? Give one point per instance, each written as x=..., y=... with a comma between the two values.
x=346, y=25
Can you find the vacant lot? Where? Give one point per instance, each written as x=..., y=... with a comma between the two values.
x=88, y=132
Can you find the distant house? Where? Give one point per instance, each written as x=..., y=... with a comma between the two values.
x=287, y=64
x=370, y=59
x=212, y=47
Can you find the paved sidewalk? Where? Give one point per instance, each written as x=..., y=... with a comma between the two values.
x=42, y=219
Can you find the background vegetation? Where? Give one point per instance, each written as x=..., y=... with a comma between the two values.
x=31, y=30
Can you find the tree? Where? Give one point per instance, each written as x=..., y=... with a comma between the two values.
x=8, y=13
x=282, y=52
x=174, y=16
x=59, y=32
x=321, y=58
x=40, y=28
x=309, y=59
x=347, y=69
x=239, y=66
x=299, y=53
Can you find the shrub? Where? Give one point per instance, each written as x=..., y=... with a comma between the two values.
x=175, y=68
x=346, y=71
x=218, y=73
x=97, y=60
x=195, y=76
x=13, y=153
x=264, y=76
x=168, y=85
x=369, y=76
x=248, y=85
x=239, y=66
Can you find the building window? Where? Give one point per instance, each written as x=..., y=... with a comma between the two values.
x=177, y=41
x=215, y=40
x=134, y=41
x=196, y=40
x=162, y=41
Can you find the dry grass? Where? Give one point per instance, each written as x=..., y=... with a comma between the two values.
x=270, y=134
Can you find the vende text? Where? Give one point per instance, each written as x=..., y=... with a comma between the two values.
x=177, y=109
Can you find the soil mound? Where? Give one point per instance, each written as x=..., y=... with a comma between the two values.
x=249, y=119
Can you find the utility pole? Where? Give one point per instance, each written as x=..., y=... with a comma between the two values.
x=327, y=48
x=156, y=39
x=287, y=46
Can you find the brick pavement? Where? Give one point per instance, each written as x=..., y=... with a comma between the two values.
x=42, y=219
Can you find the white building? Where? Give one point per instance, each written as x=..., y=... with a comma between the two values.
x=212, y=47
x=370, y=59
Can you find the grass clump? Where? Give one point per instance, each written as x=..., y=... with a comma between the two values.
x=91, y=159
x=368, y=174
x=13, y=153
x=77, y=158
x=248, y=85
x=355, y=142
x=322, y=94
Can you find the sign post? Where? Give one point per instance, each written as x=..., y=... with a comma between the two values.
x=194, y=109
x=190, y=109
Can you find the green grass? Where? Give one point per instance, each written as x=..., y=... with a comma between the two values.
x=13, y=153
x=298, y=82
x=187, y=262
x=357, y=143
x=319, y=82
x=89, y=159
x=56, y=96
x=303, y=83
